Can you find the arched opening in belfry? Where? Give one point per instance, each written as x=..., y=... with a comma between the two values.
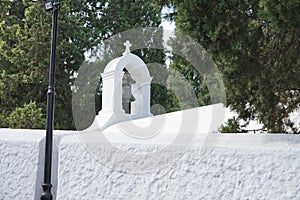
x=127, y=96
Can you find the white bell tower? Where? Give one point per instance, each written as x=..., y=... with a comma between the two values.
x=112, y=111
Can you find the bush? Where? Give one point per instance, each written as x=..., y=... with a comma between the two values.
x=27, y=117
x=231, y=126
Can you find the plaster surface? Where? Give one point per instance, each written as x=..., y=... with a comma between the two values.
x=19, y=163
x=112, y=90
x=22, y=163
x=112, y=164
x=238, y=167
x=121, y=162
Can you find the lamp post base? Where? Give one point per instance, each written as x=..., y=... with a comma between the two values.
x=46, y=194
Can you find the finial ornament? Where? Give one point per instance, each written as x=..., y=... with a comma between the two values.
x=127, y=44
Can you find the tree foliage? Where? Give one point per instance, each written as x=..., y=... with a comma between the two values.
x=24, y=54
x=118, y=17
x=29, y=117
x=256, y=45
x=25, y=36
x=231, y=126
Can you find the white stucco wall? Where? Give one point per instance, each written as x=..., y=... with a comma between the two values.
x=243, y=166
x=19, y=163
x=22, y=163
x=130, y=161
x=238, y=167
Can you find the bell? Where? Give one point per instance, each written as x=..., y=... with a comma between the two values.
x=127, y=93
x=127, y=96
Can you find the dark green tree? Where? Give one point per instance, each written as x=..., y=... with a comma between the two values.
x=24, y=54
x=118, y=16
x=256, y=45
x=25, y=36
x=231, y=126
x=29, y=117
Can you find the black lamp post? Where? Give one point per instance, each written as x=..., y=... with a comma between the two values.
x=52, y=7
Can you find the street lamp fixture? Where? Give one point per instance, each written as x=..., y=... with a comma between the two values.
x=51, y=6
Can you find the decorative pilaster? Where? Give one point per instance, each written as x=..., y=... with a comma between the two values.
x=112, y=91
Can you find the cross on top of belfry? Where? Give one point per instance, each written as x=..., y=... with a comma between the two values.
x=127, y=44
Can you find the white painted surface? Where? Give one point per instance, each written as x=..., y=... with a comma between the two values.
x=117, y=166
x=22, y=163
x=19, y=161
x=112, y=111
x=238, y=167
